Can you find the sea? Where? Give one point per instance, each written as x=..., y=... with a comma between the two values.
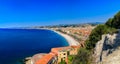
x=17, y=44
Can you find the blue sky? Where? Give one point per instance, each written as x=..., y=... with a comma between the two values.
x=21, y=13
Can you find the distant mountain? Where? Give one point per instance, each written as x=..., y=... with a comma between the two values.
x=96, y=23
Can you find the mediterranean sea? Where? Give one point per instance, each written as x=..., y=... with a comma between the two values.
x=16, y=44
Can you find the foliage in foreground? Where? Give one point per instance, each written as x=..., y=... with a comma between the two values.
x=109, y=27
x=96, y=35
x=62, y=62
x=70, y=59
x=83, y=57
x=114, y=22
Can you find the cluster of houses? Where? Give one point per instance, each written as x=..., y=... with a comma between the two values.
x=55, y=56
x=80, y=33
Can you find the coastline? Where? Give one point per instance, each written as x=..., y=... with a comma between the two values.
x=71, y=41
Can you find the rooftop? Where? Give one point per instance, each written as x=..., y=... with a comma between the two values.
x=45, y=59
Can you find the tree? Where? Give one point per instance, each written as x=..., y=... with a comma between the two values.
x=62, y=62
x=83, y=57
x=116, y=21
x=95, y=36
x=109, y=22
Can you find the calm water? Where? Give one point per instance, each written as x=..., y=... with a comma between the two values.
x=16, y=44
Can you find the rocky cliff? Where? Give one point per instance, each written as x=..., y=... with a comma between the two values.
x=107, y=49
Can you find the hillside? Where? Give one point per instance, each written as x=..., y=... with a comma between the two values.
x=106, y=42
x=107, y=49
x=102, y=44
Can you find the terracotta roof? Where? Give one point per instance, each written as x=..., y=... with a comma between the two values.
x=45, y=59
x=75, y=46
x=56, y=50
x=37, y=57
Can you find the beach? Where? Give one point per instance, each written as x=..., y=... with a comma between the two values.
x=71, y=41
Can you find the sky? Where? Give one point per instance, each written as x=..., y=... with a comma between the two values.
x=24, y=13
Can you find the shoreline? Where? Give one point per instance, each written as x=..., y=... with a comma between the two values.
x=71, y=41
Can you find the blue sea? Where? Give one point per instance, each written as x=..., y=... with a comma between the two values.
x=16, y=44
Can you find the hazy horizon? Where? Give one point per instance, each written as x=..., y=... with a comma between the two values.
x=24, y=13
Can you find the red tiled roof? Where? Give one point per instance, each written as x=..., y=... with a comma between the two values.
x=75, y=46
x=45, y=59
x=56, y=50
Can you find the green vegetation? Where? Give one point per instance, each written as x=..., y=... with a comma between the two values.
x=85, y=54
x=96, y=35
x=110, y=27
x=62, y=62
x=70, y=59
x=83, y=57
x=114, y=22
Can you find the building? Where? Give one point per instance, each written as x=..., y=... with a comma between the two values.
x=63, y=52
x=62, y=55
x=56, y=55
x=74, y=50
x=47, y=59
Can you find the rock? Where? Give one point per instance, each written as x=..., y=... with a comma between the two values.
x=107, y=49
x=28, y=60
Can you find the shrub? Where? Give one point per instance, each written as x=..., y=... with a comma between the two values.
x=70, y=59
x=62, y=62
x=83, y=57
x=96, y=35
x=114, y=22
